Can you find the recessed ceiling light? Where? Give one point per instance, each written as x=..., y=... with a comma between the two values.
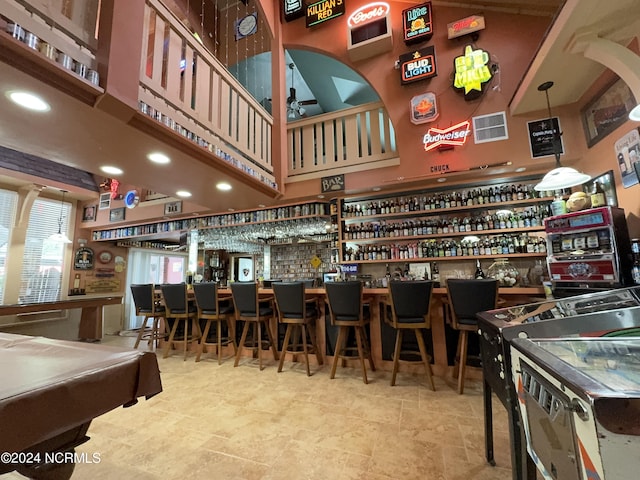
x=223, y=186
x=232, y=209
x=441, y=179
x=29, y=101
x=157, y=157
x=111, y=170
x=320, y=196
x=521, y=169
x=376, y=189
x=261, y=205
x=183, y=193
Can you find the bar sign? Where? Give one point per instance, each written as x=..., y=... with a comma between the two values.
x=417, y=23
x=334, y=183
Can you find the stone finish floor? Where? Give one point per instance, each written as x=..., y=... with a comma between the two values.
x=221, y=422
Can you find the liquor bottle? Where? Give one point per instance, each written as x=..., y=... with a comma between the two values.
x=598, y=198
x=435, y=274
x=479, y=273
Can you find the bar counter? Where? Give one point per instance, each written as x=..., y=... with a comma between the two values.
x=378, y=296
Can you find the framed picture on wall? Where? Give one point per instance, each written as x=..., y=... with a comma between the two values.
x=89, y=213
x=117, y=214
x=607, y=111
x=105, y=201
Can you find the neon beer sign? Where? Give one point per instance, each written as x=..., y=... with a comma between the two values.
x=419, y=65
x=368, y=13
x=319, y=12
x=416, y=23
x=471, y=72
x=453, y=136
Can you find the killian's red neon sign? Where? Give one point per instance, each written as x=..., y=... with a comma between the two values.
x=448, y=137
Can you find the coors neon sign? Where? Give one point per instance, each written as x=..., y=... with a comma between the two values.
x=453, y=136
x=368, y=13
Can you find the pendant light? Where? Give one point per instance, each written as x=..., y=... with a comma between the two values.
x=560, y=177
x=60, y=237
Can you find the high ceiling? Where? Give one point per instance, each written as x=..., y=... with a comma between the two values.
x=79, y=135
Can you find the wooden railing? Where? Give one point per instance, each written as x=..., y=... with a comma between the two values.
x=181, y=79
x=341, y=142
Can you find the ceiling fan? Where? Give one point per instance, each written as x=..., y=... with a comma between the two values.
x=294, y=106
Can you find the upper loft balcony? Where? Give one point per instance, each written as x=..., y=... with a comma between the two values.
x=132, y=78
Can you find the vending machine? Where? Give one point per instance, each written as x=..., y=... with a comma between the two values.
x=588, y=250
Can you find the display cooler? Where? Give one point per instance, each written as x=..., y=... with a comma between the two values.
x=593, y=314
x=588, y=250
x=580, y=405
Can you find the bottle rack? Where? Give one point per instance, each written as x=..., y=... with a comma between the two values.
x=472, y=222
x=288, y=212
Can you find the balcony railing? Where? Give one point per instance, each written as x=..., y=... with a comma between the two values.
x=184, y=86
x=341, y=142
x=182, y=81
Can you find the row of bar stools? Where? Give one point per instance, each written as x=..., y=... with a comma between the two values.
x=408, y=308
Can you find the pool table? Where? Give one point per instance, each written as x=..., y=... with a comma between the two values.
x=51, y=390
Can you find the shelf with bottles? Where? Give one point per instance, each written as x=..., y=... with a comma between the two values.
x=412, y=203
x=303, y=211
x=521, y=245
x=146, y=244
x=266, y=215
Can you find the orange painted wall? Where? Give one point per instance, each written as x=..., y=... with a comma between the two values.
x=510, y=39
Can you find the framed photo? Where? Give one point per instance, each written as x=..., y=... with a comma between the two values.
x=89, y=213
x=173, y=208
x=627, y=151
x=117, y=214
x=105, y=201
x=608, y=110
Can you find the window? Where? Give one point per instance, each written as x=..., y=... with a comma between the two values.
x=8, y=201
x=43, y=260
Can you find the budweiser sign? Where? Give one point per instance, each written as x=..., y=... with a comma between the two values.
x=447, y=137
x=368, y=13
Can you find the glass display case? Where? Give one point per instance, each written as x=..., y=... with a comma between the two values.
x=579, y=399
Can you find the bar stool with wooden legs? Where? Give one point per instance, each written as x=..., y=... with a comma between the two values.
x=346, y=310
x=213, y=310
x=148, y=306
x=410, y=308
x=467, y=297
x=254, y=312
x=299, y=314
x=182, y=312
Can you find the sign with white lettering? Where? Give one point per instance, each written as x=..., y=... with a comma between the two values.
x=472, y=72
x=541, y=137
x=465, y=26
x=419, y=65
x=424, y=108
x=367, y=14
x=446, y=137
x=292, y=9
x=334, y=183
x=324, y=10
x=417, y=23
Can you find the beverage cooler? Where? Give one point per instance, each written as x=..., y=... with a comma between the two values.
x=588, y=250
x=580, y=404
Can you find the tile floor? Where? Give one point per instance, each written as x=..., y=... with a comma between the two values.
x=221, y=422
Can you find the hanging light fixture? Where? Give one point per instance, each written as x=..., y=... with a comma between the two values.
x=60, y=237
x=560, y=177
